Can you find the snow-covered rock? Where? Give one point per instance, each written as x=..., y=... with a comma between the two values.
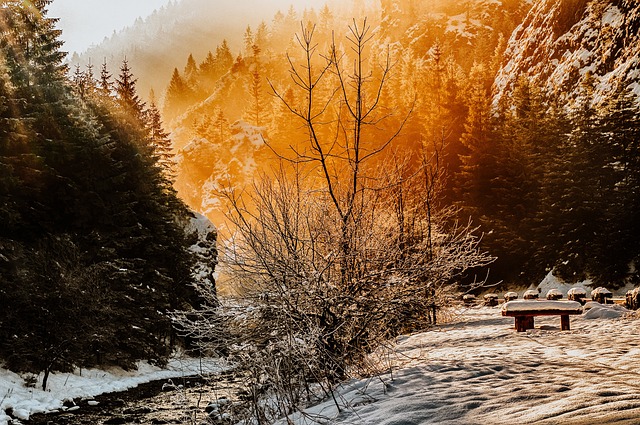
x=601, y=294
x=577, y=291
x=595, y=310
x=204, y=236
x=510, y=296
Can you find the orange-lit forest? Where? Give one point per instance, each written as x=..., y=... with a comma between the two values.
x=428, y=76
x=427, y=68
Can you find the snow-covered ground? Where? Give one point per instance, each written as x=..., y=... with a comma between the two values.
x=479, y=370
x=86, y=384
x=476, y=369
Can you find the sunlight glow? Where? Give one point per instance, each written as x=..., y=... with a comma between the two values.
x=87, y=22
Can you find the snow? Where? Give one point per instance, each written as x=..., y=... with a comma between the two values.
x=601, y=290
x=474, y=370
x=87, y=383
x=613, y=17
x=594, y=310
x=242, y=131
x=552, y=282
x=479, y=370
x=522, y=305
x=577, y=291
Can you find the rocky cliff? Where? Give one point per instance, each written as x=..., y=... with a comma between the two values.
x=574, y=48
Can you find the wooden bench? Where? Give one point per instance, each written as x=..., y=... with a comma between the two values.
x=525, y=311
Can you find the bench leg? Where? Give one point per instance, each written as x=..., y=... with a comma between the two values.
x=564, y=322
x=524, y=322
x=529, y=323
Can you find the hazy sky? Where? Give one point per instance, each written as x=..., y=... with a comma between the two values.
x=87, y=22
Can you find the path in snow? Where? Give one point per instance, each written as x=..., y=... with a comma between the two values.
x=480, y=371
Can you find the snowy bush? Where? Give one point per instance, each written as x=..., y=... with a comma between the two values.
x=601, y=294
x=510, y=296
x=334, y=254
x=577, y=294
x=554, y=294
x=491, y=300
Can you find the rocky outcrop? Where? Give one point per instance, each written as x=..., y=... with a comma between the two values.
x=575, y=48
x=203, y=235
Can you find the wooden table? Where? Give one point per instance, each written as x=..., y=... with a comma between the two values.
x=525, y=311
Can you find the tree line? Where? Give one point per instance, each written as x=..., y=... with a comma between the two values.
x=93, y=252
x=556, y=189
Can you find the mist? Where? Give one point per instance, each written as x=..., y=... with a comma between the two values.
x=157, y=44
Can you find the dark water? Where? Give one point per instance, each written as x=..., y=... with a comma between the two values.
x=181, y=401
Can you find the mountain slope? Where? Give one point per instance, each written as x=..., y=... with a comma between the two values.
x=158, y=44
x=575, y=47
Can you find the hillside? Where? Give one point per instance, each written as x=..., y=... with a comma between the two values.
x=575, y=48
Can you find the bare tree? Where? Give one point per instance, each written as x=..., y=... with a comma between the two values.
x=335, y=252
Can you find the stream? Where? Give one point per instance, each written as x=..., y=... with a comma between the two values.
x=179, y=401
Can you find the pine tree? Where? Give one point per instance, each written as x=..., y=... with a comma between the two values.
x=224, y=58
x=105, y=84
x=256, y=110
x=478, y=162
x=191, y=71
x=248, y=40
x=160, y=141
x=126, y=93
x=220, y=126
x=326, y=24
x=574, y=207
x=94, y=254
x=615, y=244
x=261, y=38
x=178, y=97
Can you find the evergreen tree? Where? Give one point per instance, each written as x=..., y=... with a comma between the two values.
x=479, y=158
x=569, y=210
x=178, y=97
x=220, y=127
x=256, y=110
x=91, y=255
x=224, y=58
x=615, y=244
x=248, y=40
x=105, y=85
x=191, y=71
x=160, y=141
x=126, y=93
x=326, y=24
x=261, y=38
